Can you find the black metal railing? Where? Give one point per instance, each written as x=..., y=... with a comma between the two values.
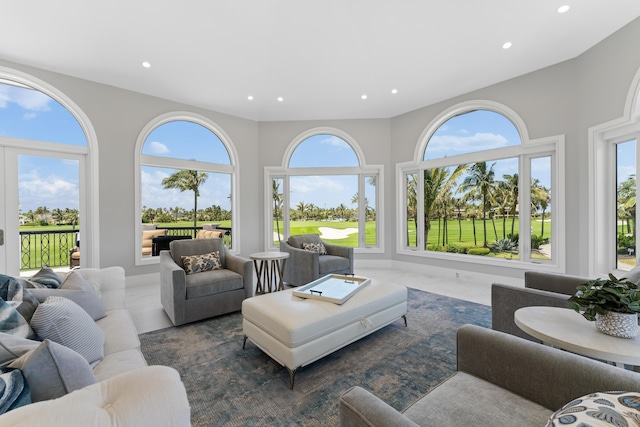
x=46, y=248
x=53, y=248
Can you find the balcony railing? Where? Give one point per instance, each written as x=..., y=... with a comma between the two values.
x=53, y=248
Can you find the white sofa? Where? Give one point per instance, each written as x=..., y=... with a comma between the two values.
x=128, y=392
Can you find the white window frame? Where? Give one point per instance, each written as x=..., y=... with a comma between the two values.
x=89, y=194
x=175, y=163
x=602, y=140
x=529, y=149
x=363, y=171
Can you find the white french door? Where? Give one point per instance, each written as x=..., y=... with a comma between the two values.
x=42, y=179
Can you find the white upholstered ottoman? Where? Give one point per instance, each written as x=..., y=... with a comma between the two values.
x=297, y=331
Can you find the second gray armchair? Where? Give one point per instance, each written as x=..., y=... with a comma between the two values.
x=190, y=297
x=304, y=266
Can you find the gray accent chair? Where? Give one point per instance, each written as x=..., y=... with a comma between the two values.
x=501, y=380
x=305, y=266
x=540, y=289
x=190, y=297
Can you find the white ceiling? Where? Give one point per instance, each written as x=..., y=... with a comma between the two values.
x=319, y=55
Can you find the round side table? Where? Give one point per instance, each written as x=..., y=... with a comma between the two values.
x=269, y=269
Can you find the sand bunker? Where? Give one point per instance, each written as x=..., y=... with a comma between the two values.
x=336, y=233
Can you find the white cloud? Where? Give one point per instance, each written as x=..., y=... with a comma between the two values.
x=158, y=147
x=51, y=191
x=334, y=141
x=28, y=99
x=453, y=144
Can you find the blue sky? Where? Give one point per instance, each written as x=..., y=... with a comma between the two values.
x=29, y=114
x=626, y=158
x=53, y=183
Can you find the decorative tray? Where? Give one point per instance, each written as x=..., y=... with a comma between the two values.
x=335, y=288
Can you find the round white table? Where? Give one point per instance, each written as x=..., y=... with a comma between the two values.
x=269, y=269
x=567, y=329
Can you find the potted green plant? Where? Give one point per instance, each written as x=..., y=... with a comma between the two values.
x=613, y=303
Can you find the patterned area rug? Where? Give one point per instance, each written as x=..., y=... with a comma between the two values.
x=229, y=386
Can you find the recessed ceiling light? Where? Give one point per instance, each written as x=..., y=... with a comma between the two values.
x=364, y=97
x=146, y=64
x=394, y=91
x=507, y=45
x=563, y=9
x=280, y=99
x=250, y=98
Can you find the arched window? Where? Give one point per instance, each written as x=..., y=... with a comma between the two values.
x=482, y=190
x=613, y=188
x=45, y=142
x=325, y=187
x=186, y=182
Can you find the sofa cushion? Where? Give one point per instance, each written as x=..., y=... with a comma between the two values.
x=78, y=290
x=12, y=322
x=213, y=282
x=64, y=322
x=46, y=277
x=331, y=264
x=209, y=234
x=200, y=263
x=599, y=409
x=471, y=401
x=119, y=332
x=148, y=235
x=53, y=370
x=12, y=347
x=14, y=389
x=118, y=363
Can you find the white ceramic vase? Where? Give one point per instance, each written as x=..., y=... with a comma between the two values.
x=622, y=325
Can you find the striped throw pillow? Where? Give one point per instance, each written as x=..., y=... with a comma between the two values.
x=65, y=322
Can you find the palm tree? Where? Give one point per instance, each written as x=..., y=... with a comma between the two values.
x=479, y=184
x=539, y=199
x=438, y=183
x=187, y=180
x=412, y=203
x=58, y=216
x=277, y=204
x=510, y=190
x=627, y=200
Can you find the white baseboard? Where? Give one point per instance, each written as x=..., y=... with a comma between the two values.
x=430, y=270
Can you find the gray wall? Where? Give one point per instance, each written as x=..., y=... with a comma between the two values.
x=566, y=98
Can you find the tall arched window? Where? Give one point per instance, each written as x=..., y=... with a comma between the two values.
x=324, y=187
x=186, y=182
x=45, y=142
x=481, y=191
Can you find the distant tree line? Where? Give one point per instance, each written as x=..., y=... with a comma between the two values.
x=45, y=216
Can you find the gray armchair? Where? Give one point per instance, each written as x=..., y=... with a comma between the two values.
x=304, y=266
x=190, y=297
x=540, y=289
x=501, y=380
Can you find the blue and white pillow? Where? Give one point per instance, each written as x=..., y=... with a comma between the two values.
x=606, y=409
x=14, y=390
x=47, y=277
x=12, y=322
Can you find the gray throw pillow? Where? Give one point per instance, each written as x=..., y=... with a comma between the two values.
x=12, y=347
x=78, y=290
x=53, y=370
x=65, y=322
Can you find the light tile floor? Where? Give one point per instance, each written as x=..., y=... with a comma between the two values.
x=143, y=301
